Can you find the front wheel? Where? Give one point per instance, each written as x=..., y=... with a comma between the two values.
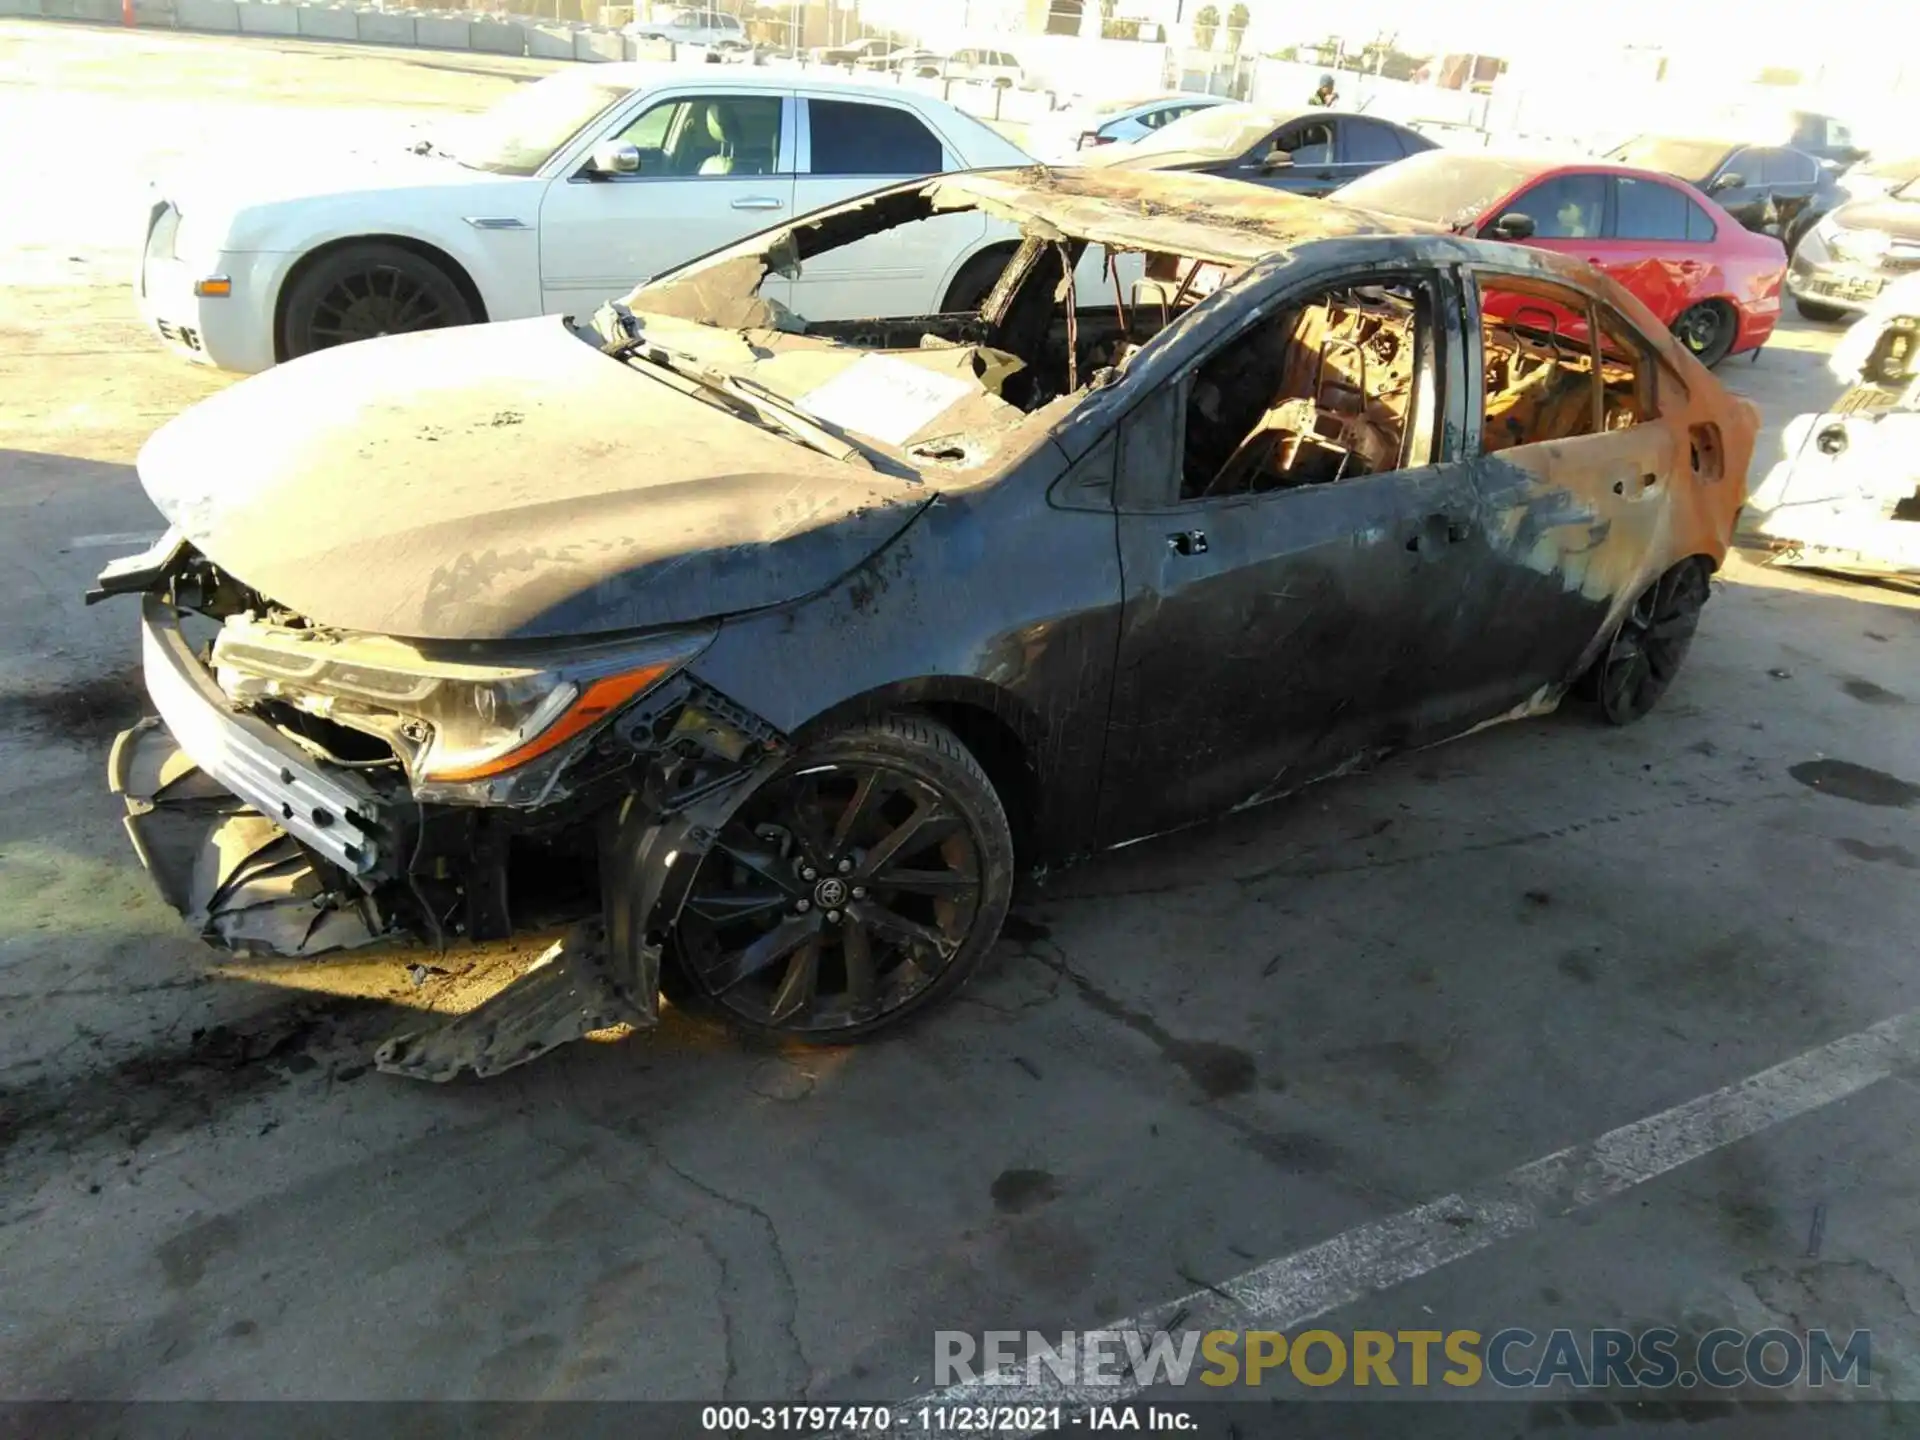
x=1707, y=330
x=1812, y=310
x=360, y=292
x=862, y=883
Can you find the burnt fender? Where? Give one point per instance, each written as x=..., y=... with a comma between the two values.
x=647, y=863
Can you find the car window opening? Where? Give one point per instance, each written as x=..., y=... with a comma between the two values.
x=1322, y=393
x=1540, y=365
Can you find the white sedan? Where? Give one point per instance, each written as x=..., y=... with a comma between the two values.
x=566, y=193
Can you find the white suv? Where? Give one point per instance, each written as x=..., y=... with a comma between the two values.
x=712, y=28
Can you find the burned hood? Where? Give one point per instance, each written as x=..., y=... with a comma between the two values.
x=507, y=482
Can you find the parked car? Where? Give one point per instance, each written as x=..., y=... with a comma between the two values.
x=1061, y=136
x=786, y=643
x=1846, y=493
x=1855, y=253
x=1715, y=285
x=1827, y=139
x=1878, y=176
x=1304, y=152
x=563, y=194
x=986, y=67
x=1772, y=189
x=714, y=29
x=1452, y=134
x=856, y=52
x=1123, y=122
x=909, y=60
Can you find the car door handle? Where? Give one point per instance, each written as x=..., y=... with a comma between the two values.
x=1188, y=542
x=756, y=202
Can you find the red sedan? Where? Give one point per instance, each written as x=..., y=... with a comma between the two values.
x=1715, y=284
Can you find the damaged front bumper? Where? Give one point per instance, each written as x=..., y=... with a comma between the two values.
x=267, y=848
x=237, y=824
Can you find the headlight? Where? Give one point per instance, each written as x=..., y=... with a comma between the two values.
x=450, y=721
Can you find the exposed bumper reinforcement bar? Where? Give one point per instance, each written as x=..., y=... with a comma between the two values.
x=333, y=813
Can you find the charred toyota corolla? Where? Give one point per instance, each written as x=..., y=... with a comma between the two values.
x=771, y=647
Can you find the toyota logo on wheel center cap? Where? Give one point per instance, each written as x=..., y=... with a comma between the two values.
x=830, y=894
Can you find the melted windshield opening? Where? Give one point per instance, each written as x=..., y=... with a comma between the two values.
x=904, y=392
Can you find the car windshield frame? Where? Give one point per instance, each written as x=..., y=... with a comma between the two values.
x=1445, y=187
x=1222, y=132
x=523, y=132
x=1692, y=160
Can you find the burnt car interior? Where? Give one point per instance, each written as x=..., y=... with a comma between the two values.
x=1540, y=362
x=1322, y=392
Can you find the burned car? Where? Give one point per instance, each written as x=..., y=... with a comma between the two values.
x=1846, y=494
x=773, y=648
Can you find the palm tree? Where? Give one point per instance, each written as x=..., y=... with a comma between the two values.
x=1206, y=20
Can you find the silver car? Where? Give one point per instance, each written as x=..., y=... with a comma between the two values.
x=1121, y=122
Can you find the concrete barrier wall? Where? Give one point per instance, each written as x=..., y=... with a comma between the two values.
x=97, y=12
x=496, y=37
x=547, y=42
x=384, y=27
x=206, y=14
x=596, y=45
x=442, y=32
x=259, y=18
x=325, y=23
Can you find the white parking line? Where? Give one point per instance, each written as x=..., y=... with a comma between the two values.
x=142, y=538
x=1294, y=1289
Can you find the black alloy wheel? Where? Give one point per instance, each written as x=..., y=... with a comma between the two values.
x=365, y=291
x=1707, y=330
x=859, y=884
x=1646, y=652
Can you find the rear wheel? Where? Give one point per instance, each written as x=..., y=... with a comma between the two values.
x=859, y=885
x=360, y=292
x=1646, y=652
x=1707, y=330
x=975, y=281
x=1812, y=310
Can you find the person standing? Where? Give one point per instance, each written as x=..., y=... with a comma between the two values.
x=1326, y=95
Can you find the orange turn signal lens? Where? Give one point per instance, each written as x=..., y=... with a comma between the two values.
x=213, y=286
x=596, y=702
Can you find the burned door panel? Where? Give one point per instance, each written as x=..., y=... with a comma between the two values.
x=1292, y=580
x=1575, y=473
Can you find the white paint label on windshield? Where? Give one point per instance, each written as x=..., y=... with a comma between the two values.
x=889, y=399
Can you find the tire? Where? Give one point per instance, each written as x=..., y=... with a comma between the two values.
x=860, y=885
x=1641, y=659
x=975, y=281
x=1812, y=310
x=362, y=291
x=1707, y=330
